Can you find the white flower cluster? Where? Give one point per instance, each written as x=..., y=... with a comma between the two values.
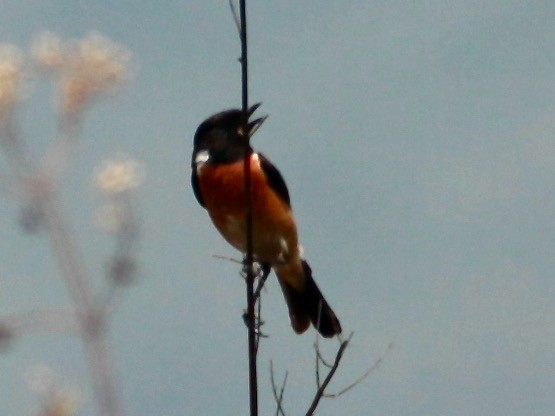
x=117, y=176
x=85, y=67
x=55, y=400
x=116, y=179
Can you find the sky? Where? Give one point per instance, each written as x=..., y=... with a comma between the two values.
x=417, y=140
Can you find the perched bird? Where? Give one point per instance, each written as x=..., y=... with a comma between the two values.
x=218, y=184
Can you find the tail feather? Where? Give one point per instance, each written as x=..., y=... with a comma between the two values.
x=309, y=306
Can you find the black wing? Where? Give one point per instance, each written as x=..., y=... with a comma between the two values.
x=196, y=186
x=275, y=180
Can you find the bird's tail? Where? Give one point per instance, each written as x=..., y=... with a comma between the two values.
x=307, y=305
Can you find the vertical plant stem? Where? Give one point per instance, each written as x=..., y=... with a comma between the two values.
x=102, y=373
x=91, y=322
x=71, y=269
x=252, y=350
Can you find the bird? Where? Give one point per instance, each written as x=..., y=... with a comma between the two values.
x=217, y=179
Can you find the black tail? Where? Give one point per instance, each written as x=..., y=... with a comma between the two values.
x=309, y=306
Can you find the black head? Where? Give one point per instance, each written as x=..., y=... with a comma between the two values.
x=223, y=137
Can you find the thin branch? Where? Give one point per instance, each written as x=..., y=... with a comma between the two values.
x=122, y=266
x=278, y=396
x=362, y=377
x=106, y=301
x=231, y=259
x=263, y=273
x=235, y=15
x=259, y=322
x=50, y=321
x=317, y=365
x=101, y=367
x=266, y=270
x=244, y=63
x=321, y=390
x=69, y=261
x=321, y=358
x=57, y=159
x=318, y=355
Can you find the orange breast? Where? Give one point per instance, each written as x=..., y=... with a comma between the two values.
x=274, y=230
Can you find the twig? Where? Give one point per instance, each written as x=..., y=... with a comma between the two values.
x=50, y=321
x=318, y=360
x=122, y=266
x=231, y=259
x=362, y=377
x=266, y=270
x=259, y=322
x=71, y=268
x=101, y=367
x=321, y=358
x=278, y=396
x=57, y=159
x=318, y=355
x=322, y=388
x=236, y=17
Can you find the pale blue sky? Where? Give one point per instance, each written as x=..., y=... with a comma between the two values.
x=418, y=143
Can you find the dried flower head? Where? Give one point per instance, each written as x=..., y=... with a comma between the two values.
x=41, y=379
x=10, y=76
x=94, y=65
x=48, y=51
x=60, y=404
x=55, y=399
x=117, y=176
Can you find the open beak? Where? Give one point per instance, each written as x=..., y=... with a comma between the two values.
x=256, y=123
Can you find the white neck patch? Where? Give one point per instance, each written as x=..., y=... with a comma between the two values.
x=201, y=158
x=255, y=159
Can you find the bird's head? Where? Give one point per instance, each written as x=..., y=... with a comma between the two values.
x=223, y=137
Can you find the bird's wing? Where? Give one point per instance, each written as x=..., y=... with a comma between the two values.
x=274, y=178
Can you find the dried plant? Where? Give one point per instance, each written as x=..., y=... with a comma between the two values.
x=82, y=70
